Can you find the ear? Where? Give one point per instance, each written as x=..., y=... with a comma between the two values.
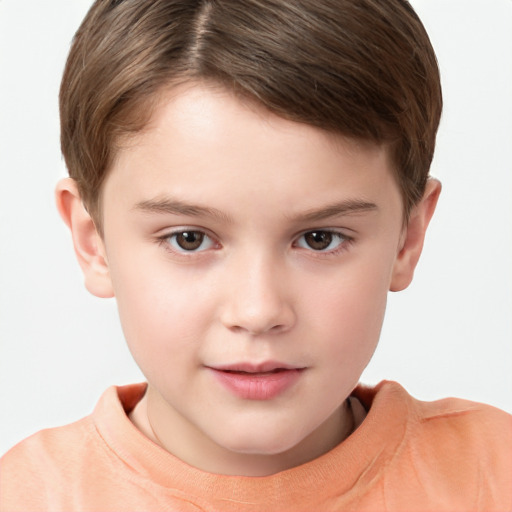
x=414, y=236
x=89, y=246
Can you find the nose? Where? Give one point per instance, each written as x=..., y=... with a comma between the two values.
x=258, y=300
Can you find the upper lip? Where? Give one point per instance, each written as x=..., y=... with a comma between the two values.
x=248, y=367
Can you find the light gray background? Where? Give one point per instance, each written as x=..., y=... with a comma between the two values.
x=449, y=334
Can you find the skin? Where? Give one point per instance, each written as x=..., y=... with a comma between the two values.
x=255, y=290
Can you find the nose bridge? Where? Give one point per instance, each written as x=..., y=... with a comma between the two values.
x=257, y=299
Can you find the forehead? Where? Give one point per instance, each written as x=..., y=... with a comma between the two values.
x=204, y=142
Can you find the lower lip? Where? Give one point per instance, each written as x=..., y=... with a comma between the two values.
x=260, y=386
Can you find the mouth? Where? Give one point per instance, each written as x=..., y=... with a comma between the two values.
x=257, y=374
x=257, y=381
x=255, y=369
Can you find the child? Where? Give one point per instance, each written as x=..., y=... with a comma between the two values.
x=255, y=179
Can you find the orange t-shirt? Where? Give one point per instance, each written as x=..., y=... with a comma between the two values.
x=407, y=455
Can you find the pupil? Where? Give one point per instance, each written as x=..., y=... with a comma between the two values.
x=190, y=240
x=318, y=240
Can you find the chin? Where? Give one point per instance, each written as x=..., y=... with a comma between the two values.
x=261, y=443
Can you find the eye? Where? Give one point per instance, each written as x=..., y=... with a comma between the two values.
x=321, y=240
x=189, y=241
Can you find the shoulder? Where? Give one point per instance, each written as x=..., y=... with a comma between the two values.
x=48, y=469
x=447, y=455
x=42, y=461
x=469, y=426
x=450, y=420
x=49, y=444
x=463, y=447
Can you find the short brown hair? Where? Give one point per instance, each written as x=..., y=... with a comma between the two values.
x=361, y=68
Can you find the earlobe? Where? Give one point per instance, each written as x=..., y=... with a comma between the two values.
x=88, y=244
x=414, y=236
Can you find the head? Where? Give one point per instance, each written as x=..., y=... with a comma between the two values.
x=255, y=179
x=363, y=69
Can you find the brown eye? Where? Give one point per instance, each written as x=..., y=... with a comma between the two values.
x=321, y=240
x=189, y=241
x=318, y=240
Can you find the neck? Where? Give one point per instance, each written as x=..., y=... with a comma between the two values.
x=189, y=444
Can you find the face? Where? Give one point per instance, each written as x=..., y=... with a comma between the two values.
x=251, y=258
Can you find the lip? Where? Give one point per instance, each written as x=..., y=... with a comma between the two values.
x=263, y=381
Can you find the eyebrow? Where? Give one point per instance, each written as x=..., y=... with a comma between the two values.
x=176, y=207
x=347, y=207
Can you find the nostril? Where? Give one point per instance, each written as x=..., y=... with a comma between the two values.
x=257, y=331
x=255, y=309
x=278, y=328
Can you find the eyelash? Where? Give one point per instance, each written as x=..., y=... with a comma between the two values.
x=165, y=240
x=344, y=242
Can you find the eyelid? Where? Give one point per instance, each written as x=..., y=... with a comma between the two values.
x=343, y=245
x=166, y=234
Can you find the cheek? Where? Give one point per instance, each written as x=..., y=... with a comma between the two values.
x=349, y=314
x=161, y=315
